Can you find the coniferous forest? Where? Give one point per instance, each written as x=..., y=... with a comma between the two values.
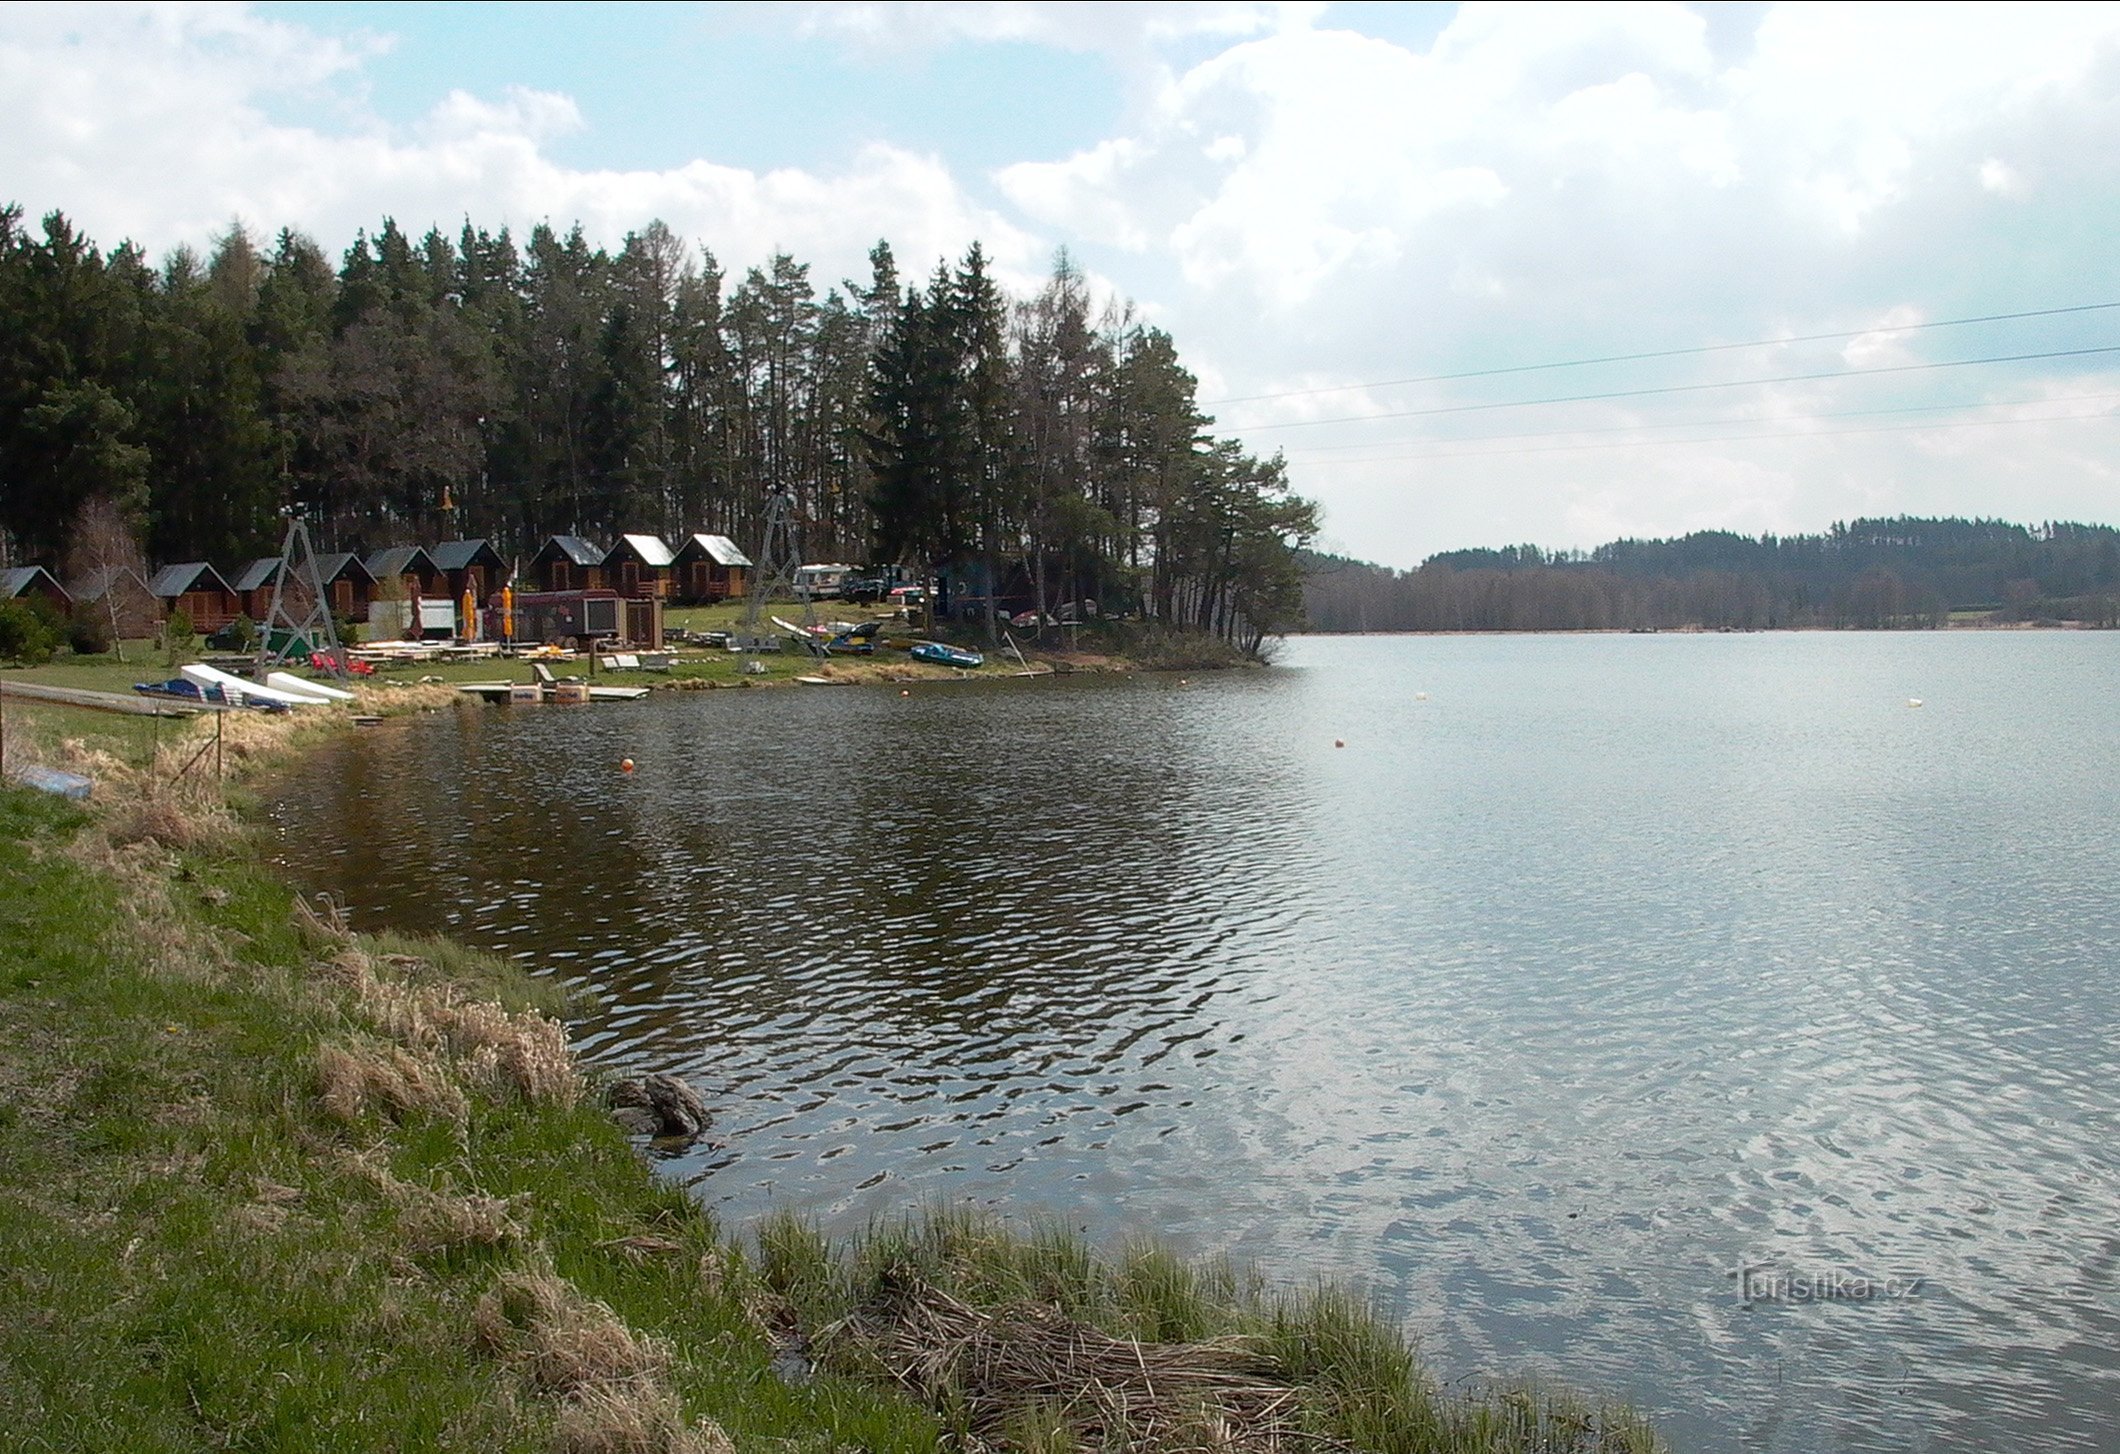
x=1870, y=574
x=476, y=386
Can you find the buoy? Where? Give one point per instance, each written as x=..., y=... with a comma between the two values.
x=1336, y=742
x=625, y=764
x=1913, y=701
x=905, y=691
x=1420, y=696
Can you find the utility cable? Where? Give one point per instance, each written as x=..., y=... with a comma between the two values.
x=1695, y=352
x=1669, y=389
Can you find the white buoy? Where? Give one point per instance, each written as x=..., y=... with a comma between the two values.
x=1913, y=701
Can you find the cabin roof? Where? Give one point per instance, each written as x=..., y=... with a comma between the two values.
x=173, y=581
x=19, y=580
x=97, y=583
x=456, y=554
x=717, y=548
x=648, y=549
x=577, y=550
x=331, y=567
x=256, y=574
x=398, y=560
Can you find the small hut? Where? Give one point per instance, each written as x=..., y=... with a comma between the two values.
x=253, y=584
x=638, y=567
x=19, y=583
x=198, y=590
x=121, y=597
x=347, y=582
x=709, y=568
x=470, y=565
x=567, y=563
x=413, y=567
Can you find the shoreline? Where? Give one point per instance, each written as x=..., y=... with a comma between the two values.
x=407, y=1087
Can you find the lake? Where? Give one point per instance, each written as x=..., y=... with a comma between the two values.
x=1684, y=1018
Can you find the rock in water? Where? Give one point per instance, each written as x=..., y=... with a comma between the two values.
x=658, y=1105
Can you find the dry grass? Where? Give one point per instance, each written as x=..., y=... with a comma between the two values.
x=560, y=1340
x=611, y=1383
x=365, y=1075
x=519, y=1052
x=1026, y=1374
x=648, y=1420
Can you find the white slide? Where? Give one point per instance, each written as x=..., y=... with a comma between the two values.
x=287, y=681
x=236, y=689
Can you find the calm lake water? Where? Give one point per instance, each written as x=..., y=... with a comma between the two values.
x=1593, y=985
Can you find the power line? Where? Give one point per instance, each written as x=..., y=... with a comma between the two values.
x=1695, y=352
x=1668, y=389
x=1306, y=450
x=1713, y=439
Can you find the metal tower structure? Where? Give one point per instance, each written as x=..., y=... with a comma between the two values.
x=778, y=558
x=315, y=629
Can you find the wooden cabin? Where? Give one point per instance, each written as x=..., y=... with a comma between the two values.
x=198, y=590
x=20, y=583
x=709, y=568
x=119, y=594
x=470, y=565
x=254, y=584
x=638, y=567
x=413, y=567
x=567, y=563
x=348, y=583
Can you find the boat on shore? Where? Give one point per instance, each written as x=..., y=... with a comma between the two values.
x=939, y=653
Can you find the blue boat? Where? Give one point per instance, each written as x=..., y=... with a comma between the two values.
x=943, y=655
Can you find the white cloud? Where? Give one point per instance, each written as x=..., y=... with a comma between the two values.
x=1123, y=29
x=155, y=124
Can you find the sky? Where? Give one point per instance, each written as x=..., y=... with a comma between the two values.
x=1421, y=249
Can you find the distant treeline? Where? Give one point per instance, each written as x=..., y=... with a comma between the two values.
x=472, y=385
x=1870, y=574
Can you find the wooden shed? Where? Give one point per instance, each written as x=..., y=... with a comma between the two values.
x=413, y=567
x=347, y=582
x=253, y=585
x=19, y=583
x=470, y=565
x=120, y=595
x=567, y=563
x=198, y=590
x=638, y=567
x=709, y=568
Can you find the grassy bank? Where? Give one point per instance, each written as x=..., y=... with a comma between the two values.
x=266, y=1184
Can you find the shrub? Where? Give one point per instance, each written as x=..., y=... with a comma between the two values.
x=26, y=634
x=178, y=634
x=88, y=633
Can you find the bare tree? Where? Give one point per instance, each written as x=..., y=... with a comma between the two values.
x=104, y=559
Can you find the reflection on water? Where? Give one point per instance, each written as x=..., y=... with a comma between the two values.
x=1590, y=972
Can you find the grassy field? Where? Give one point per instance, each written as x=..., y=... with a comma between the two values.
x=265, y=1184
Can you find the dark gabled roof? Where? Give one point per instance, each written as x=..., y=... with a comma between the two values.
x=331, y=567
x=456, y=554
x=96, y=584
x=577, y=550
x=173, y=581
x=717, y=548
x=648, y=549
x=19, y=580
x=399, y=560
x=257, y=574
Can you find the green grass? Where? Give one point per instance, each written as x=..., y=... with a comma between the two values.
x=194, y=1255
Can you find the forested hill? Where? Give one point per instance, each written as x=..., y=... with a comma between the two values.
x=1901, y=572
x=462, y=386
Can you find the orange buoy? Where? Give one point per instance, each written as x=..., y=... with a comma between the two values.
x=625, y=764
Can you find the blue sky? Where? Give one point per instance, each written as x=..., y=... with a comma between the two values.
x=1316, y=200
